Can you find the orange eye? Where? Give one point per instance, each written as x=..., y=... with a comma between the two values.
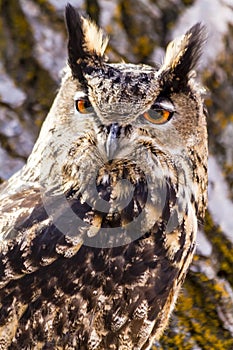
x=83, y=106
x=158, y=116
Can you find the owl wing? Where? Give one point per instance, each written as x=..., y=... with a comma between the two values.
x=32, y=234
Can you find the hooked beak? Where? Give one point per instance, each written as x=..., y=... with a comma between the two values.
x=112, y=140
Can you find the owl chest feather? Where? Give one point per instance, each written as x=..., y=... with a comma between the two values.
x=149, y=238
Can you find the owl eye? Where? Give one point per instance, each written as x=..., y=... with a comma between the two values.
x=158, y=116
x=83, y=106
x=160, y=113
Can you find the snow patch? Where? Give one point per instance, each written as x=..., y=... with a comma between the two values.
x=220, y=205
x=9, y=93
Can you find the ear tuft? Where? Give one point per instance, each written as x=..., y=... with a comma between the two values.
x=86, y=43
x=95, y=41
x=183, y=53
x=75, y=41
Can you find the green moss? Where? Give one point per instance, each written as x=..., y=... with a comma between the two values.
x=93, y=9
x=223, y=248
x=195, y=320
x=140, y=40
x=18, y=56
x=18, y=30
x=196, y=315
x=143, y=47
x=188, y=2
x=46, y=6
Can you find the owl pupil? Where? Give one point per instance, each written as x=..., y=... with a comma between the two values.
x=155, y=114
x=86, y=104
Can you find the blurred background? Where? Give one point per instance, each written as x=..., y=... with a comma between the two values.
x=32, y=55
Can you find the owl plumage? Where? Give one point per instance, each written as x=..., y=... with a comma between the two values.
x=99, y=227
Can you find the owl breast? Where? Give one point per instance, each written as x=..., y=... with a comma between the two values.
x=126, y=196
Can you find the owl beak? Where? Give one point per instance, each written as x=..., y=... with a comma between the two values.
x=112, y=140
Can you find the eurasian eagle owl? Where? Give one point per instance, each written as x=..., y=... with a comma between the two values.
x=99, y=227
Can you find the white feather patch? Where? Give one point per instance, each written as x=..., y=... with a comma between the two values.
x=95, y=40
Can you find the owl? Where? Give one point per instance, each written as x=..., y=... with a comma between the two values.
x=98, y=229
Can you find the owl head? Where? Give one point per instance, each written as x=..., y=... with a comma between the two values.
x=160, y=101
x=125, y=138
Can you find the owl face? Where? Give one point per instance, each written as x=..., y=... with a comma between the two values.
x=125, y=102
x=126, y=99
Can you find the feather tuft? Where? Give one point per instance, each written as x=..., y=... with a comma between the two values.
x=94, y=40
x=86, y=44
x=183, y=53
